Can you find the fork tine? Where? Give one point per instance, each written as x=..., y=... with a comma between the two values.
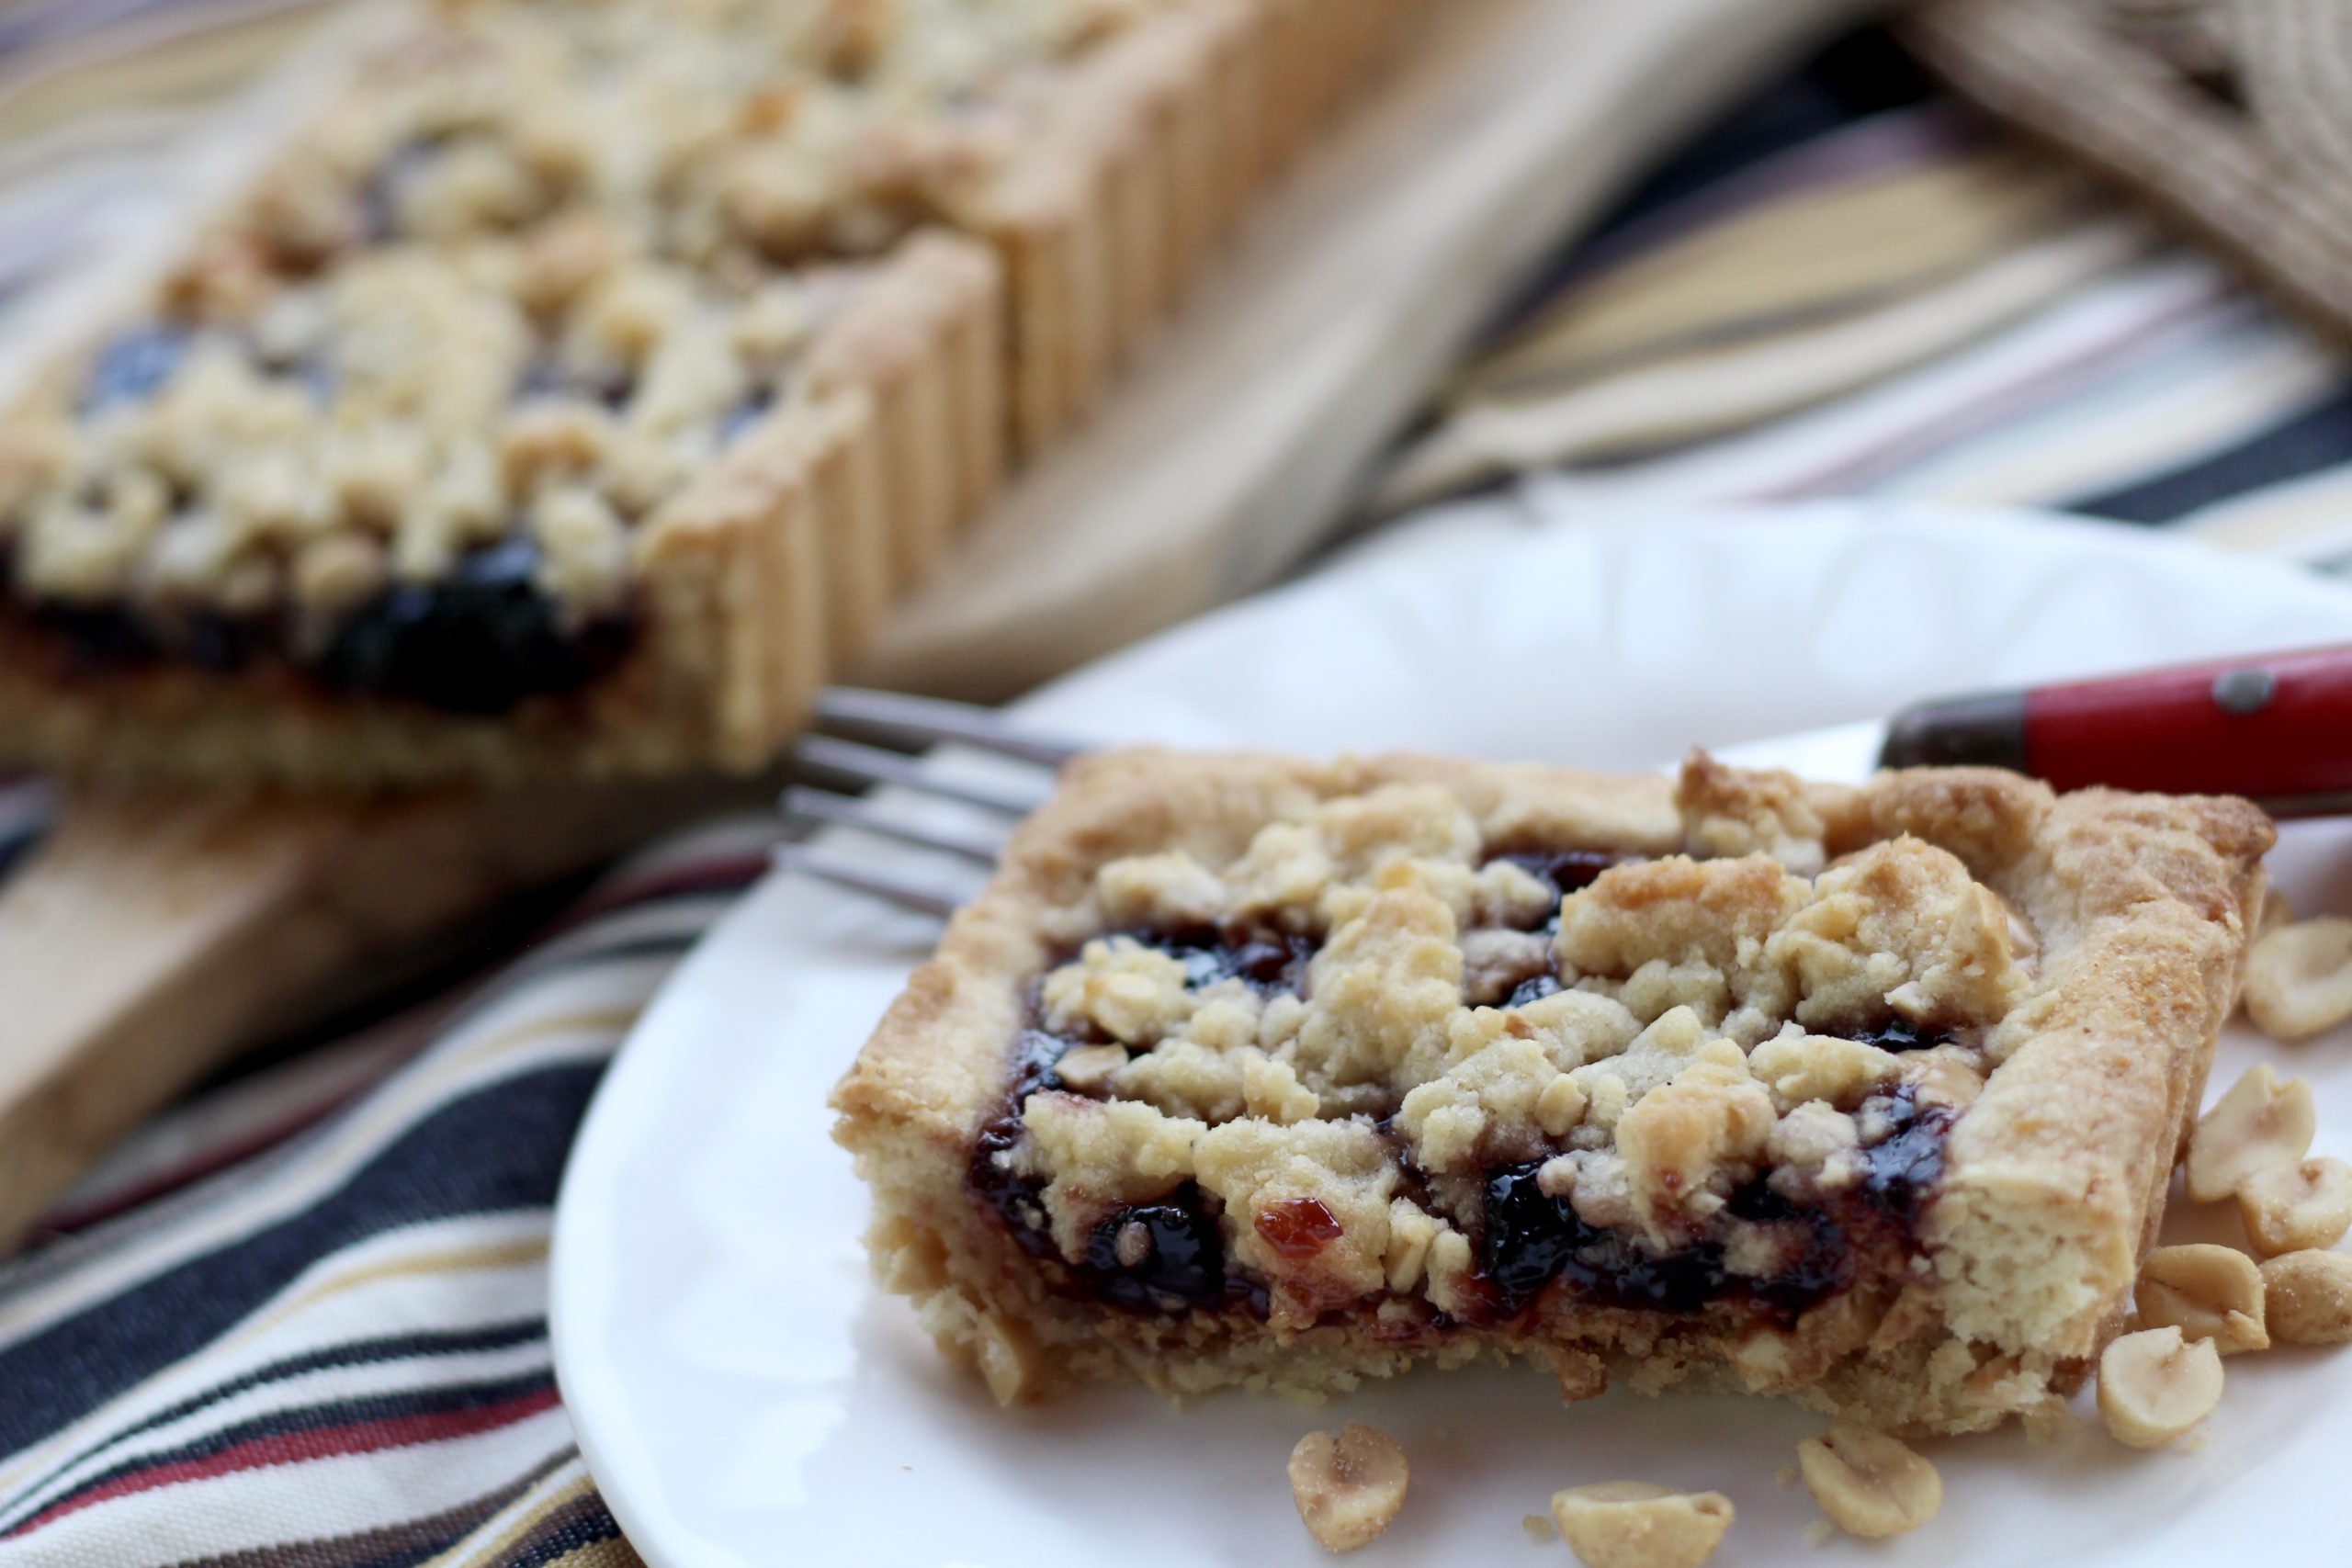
x=863, y=879
x=821, y=805
x=926, y=721
x=872, y=764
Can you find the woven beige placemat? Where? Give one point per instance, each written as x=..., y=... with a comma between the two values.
x=2232, y=116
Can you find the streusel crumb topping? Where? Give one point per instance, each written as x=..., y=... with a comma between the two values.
x=1373, y=1037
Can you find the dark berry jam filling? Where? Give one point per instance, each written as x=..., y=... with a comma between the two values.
x=1529, y=1240
x=1269, y=960
x=96, y=638
x=1167, y=1255
x=1895, y=1035
x=479, y=643
x=1565, y=871
x=1162, y=1257
x=384, y=192
x=748, y=410
x=547, y=376
x=1534, y=989
x=1901, y=1170
x=1011, y=1194
x=134, y=365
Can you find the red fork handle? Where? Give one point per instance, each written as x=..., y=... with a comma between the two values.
x=2275, y=728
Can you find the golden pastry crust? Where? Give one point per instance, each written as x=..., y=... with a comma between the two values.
x=1370, y=1035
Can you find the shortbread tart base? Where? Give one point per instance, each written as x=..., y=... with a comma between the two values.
x=2084, y=950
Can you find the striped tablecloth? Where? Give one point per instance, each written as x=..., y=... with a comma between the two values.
x=302, y=1320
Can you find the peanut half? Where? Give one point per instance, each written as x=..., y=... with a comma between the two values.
x=2207, y=1292
x=2272, y=912
x=2155, y=1385
x=1350, y=1487
x=2294, y=1208
x=2261, y=1122
x=1632, y=1524
x=2310, y=1298
x=2299, y=977
x=1868, y=1483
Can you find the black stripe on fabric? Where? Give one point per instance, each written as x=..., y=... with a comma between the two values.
x=498, y=1150
x=1858, y=75
x=577, y=1525
x=441, y=1399
x=15, y=847
x=2316, y=439
x=351, y=1353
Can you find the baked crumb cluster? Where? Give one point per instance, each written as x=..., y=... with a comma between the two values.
x=1378, y=1062
x=403, y=409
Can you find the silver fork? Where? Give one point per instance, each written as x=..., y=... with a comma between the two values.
x=886, y=735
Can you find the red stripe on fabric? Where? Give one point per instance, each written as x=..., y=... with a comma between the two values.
x=294, y=1447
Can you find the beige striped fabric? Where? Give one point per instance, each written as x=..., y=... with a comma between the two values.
x=1817, y=293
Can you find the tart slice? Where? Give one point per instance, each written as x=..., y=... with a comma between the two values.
x=1253, y=1071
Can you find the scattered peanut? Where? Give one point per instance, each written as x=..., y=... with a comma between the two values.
x=2260, y=1123
x=2299, y=977
x=2272, y=912
x=1632, y=1524
x=2155, y=1385
x=2310, y=1298
x=2294, y=1208
x=1089, y=1068
x=1348, y=1488
x=1868, y=1483
x=2207, y=1292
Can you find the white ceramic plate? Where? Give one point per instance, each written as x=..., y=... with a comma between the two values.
x=745, y=1396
